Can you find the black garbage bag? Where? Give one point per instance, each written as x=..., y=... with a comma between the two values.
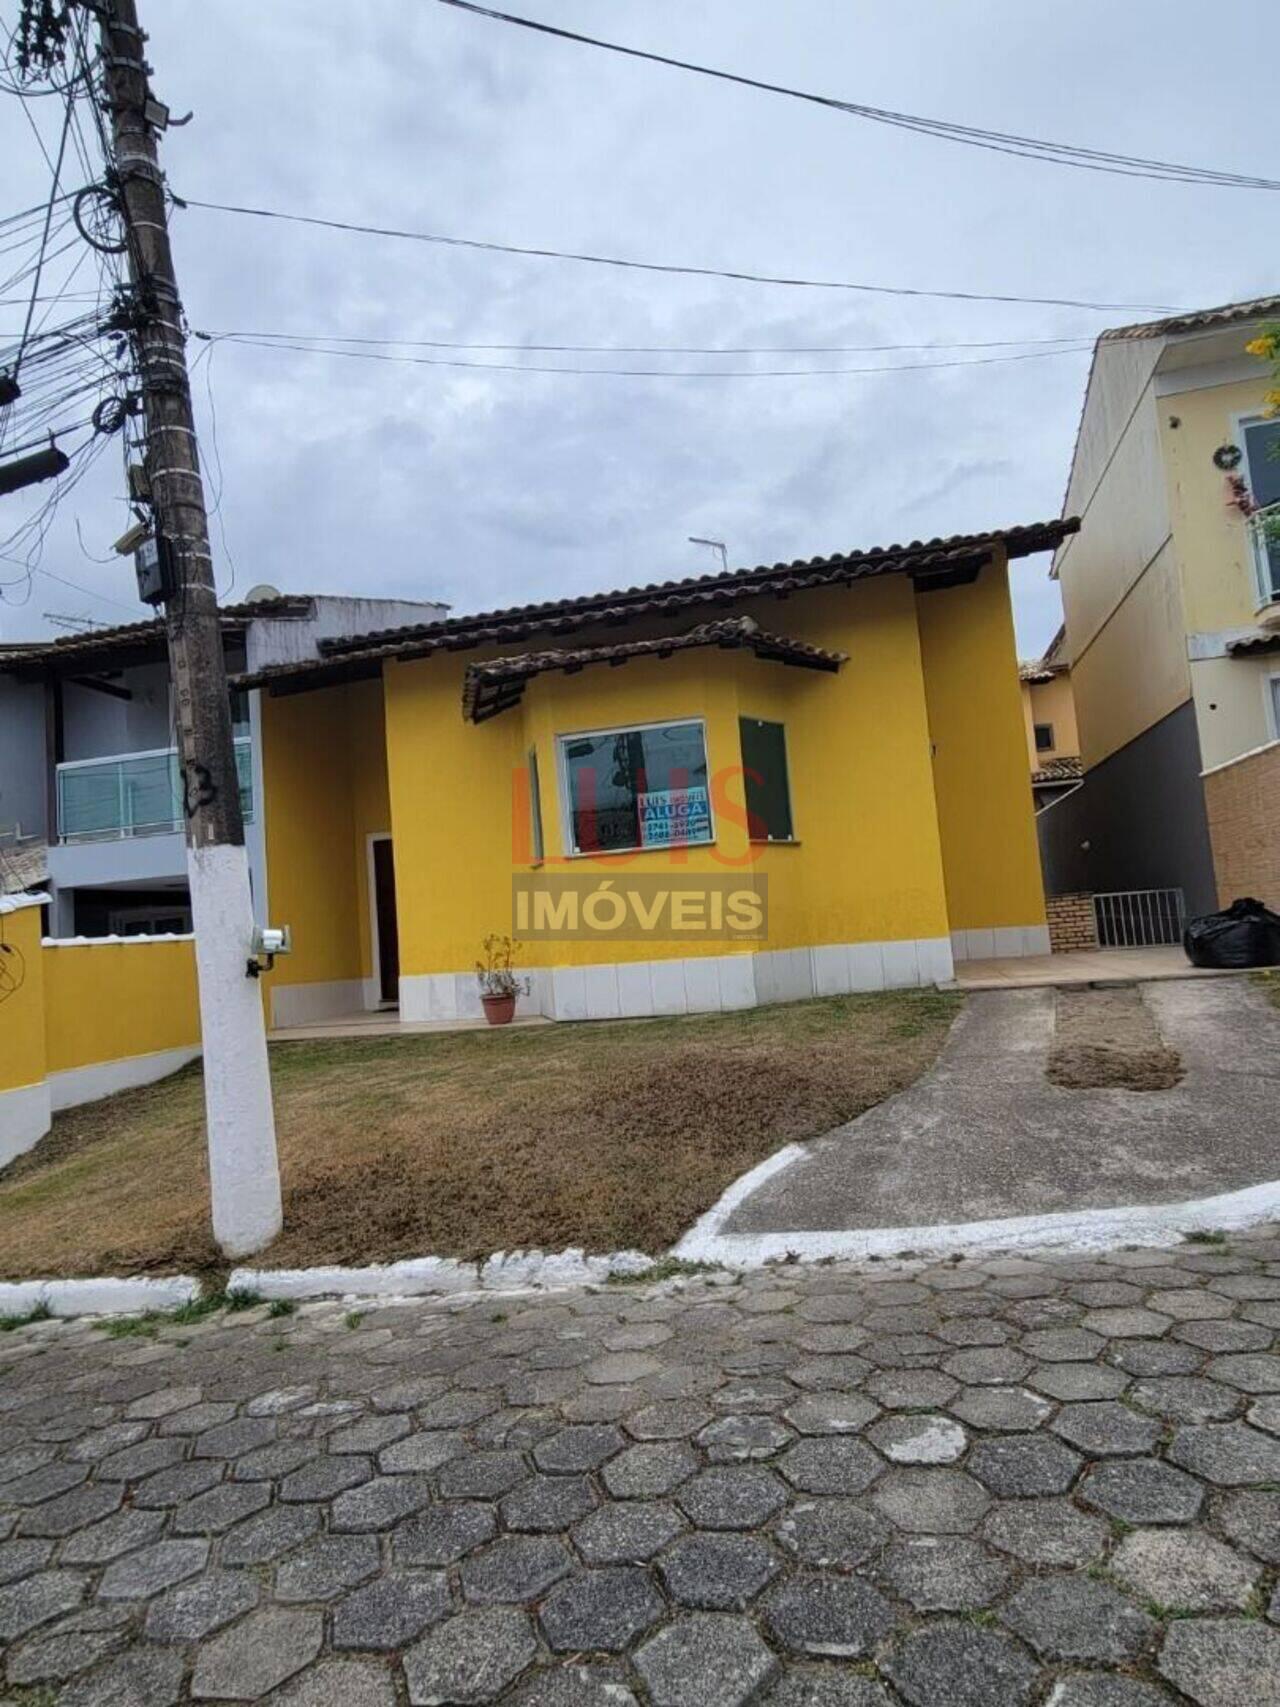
x=1245, y=934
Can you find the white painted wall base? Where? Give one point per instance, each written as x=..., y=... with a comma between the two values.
x=1000, y=942
x=24, y=1119
x=75, y=1085
x=105, y=1296
x=302, y=1004
x=707, y=984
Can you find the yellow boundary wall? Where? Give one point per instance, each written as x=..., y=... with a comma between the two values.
x=85, y=1017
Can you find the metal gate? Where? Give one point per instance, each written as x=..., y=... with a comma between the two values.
x=1139, y=918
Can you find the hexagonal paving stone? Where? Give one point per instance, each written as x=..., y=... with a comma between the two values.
x=470, y=1658
x=569, y=1684
x=1046, y=1532
x=1221, y=1662
x=514, y=1568
x=1105, y=1429
x=731, y=1497
x=387, y=1613
x=832, y=1616
x=1064, y=1345
x=930, y=1502
x=144, y=1677
x=52, y=1479
x=834, y=1533
x=1265, y=1413
x=1010, y=1409
x=1251, y=1372
x=340, y=1683
x=1251, y=1519
x=912, y=1389
x=830, y=1413
x=1186, y=1398
x=1147, y=1358
x=649, y=1470
x=626, y=1534
x=1143, y=1491
x=580, y=1447
x=1078, y=1381
x=1022, y=1466
x=825, y=1686
x=271, y=1533
x=257, y=1655
x=919, y=1439
x=325, y=1478
x=830, y=1465
x=198, y=1608
x=220, y=1508
x=944, y=1573
x=1095, y=1689
x=1074, y=1618
x=548, y=1503
x=961, y=1665
x=482, y=1475
x=671, y=1419
x=600, y=1610
x=35, y=1599
x=1223, y=1337
x=58, y=1651
x=1232, y=1455
x=995, y=1366
x=1126, y=1324
x=139, y=1575
x=742, y=1439
x=713, y=1659
x=327, y=1565
x=718, y=1572
x=1184, y=1570
x=21, y=1558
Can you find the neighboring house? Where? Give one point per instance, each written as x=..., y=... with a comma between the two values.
x=848, y=729
x=1049, y=714
x=88, y=763
x=1171, y=597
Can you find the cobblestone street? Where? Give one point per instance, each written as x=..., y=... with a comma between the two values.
x=987, y=1484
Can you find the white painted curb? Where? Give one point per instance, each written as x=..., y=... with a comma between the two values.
x=505, y=1271
x=106, y=1296
x=1081, y=1230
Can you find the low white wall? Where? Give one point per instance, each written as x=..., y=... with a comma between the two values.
x=706, y=984
x=24, y=1119
x=75, y=1085
x=303, y=1004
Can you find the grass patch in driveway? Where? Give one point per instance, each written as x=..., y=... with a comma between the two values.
x=608, y=1136
x=1108, y=1039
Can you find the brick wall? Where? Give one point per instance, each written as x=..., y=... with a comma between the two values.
x=1242, y=800
x=1071, y=922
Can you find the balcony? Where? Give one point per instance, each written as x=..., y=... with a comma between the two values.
x=132, y=794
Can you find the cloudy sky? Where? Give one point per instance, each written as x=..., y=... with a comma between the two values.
x=483, y=489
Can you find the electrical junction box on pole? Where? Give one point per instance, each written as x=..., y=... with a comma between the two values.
x=152, y=564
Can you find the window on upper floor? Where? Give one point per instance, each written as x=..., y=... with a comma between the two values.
x=766, y=784
x=645, y=787
x=1261, y=446
x=1044, y=737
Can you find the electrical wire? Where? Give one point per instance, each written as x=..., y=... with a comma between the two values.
x=654, y=349
x=1001, y=142
x=631, y=372
x=741, y=277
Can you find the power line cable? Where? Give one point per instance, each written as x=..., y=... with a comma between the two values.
x=657, y=349
x=739, y=276
x=623, y=372
x=1001, y=142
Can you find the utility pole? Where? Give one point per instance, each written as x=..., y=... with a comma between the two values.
x=244, y=1173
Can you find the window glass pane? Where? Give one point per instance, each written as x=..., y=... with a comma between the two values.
x=1262, y=456
x=1044, y=737
x=535, y=806
x=638, y=788
x=1275, y=706
x=767, y=788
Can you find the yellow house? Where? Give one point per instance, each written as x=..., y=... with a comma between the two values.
x=801, y=779
x=1049, y=719
x=1171, y=595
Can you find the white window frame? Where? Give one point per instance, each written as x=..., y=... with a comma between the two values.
x=772, y=841
x=565, y=793
x=1265, y=592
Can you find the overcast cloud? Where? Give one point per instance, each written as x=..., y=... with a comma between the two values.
x=490, y=489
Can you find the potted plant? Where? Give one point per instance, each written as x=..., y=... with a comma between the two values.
x=499, y=983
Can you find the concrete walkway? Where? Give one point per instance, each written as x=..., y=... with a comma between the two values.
x=1081, y=966
x=984, y=1136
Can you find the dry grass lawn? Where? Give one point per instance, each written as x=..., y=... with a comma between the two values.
x=1109, y=1039
x=607, y=1136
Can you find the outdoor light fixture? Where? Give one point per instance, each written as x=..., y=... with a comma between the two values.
x=268, y=941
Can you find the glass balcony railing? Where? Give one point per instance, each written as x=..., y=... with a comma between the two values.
x=132, y=794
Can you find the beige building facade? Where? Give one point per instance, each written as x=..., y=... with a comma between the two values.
x=1171, y=597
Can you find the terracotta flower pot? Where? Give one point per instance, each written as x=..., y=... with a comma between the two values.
x=499, y=1010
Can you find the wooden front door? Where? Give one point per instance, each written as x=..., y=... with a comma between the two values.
x=384, y=910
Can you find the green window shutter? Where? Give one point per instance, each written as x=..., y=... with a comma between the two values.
x=768, y=789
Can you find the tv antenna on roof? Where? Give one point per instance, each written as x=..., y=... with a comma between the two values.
x=713, y=545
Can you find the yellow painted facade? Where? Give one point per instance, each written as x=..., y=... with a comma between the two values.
x=106, y=1000
x=989, y=850
x=1050, y=702
x=908, y=785
x=22, y=1024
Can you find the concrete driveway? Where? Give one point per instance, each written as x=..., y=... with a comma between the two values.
x=984, y=1137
